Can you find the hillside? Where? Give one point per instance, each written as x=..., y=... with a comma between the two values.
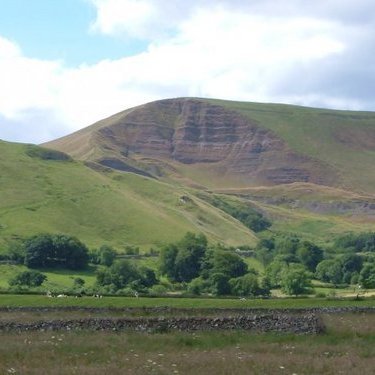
x=222, y=144
x=47, y=191
x=310, y=170
x=147, y=175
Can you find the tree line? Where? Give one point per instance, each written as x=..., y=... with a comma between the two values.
x=193, y=265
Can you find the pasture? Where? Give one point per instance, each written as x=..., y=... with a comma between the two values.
x=348, y=347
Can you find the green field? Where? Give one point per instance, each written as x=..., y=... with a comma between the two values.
x=178, y=302
x=348, y=347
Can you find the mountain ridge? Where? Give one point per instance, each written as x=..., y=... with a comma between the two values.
x=243, y=144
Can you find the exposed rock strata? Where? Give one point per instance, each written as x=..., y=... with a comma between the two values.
x=191, y=131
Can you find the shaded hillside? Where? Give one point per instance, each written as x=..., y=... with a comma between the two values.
x=222, y=144
x=47, y=191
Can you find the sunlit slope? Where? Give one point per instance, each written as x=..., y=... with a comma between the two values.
x=224, y=144
x=42, y=193
x=344, y=140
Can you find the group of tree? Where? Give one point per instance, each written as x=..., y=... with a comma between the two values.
x=55, y=251
x=247, y=215
x=124, y=274
x=344, y=263
x=105, y=255
x=205, y=269
x=355, y=243
x=289, y=249
x=198, y=267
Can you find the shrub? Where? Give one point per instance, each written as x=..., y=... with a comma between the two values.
x=28, y=278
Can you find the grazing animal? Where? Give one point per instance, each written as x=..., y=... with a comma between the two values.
x=62, y=296
x=242, y=299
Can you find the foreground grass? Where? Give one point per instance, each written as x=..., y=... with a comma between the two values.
x=348, y=347
x=13, y=300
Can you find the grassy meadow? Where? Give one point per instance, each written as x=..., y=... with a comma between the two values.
x=16, y=300
x=348, y=347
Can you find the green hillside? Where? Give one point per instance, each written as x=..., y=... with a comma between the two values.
x=184, y=144
x=44, y=191
x=344, y=140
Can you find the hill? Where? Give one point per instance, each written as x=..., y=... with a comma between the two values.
x=222, y=144
x=47, y=191
x=311, y=171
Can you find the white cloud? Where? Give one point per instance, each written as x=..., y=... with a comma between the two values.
x=255, y=51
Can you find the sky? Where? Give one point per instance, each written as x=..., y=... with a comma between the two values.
x=65, y=64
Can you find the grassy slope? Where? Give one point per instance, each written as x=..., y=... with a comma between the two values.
x=342, y=139
x=55, y=196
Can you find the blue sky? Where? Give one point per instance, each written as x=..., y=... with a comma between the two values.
x=60, y=29
x=65, y=64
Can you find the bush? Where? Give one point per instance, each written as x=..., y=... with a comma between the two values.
x=28, y=278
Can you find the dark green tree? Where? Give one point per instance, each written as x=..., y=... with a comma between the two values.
x=46, y=250
x=39, y=251
x=182, y=261
x=367, y=276
x=330, y=271
x=167, y=266
x=219, y=284
x=227, y=263
x=28, y=278
x=309, y=254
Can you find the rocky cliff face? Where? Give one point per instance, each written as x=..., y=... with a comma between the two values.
x=194, y=132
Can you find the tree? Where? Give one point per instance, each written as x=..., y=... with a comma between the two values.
x=107, y=255
x=295, y=280
x=330, y=271
x=28, y=278
x=182, y=261
x=351, y=262
x=309, y=255
x=69, y=252
x=286, y=245
x=227, y=263
x=246, y=285
x=168, y=256
x=46, y=250
x=124, y=273
x=39, y=251
x=367, y=276
x=219, y=284
x=274, y=272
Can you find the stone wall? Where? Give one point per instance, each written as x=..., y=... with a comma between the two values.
x=308, y=323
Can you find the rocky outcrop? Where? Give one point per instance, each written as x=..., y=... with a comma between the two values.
x=191, y=131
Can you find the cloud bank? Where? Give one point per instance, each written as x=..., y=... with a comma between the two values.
x=309, y=53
